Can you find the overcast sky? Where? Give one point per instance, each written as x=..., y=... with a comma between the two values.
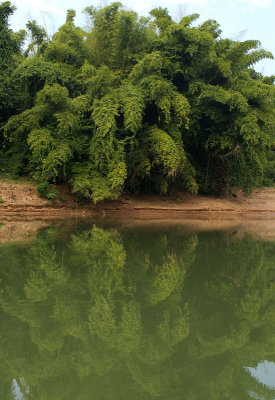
x=239, y=19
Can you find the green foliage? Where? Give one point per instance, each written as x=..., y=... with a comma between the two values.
x=165, y=151
x=269, y=169
x=47, y=191
x=132, y=105
x=38, y=37
x=10, y=57
x=135, y=104
x=9, y=43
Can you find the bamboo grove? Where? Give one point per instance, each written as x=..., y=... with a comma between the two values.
x=134, y=104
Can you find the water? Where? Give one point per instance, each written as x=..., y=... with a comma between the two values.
x=144, y=312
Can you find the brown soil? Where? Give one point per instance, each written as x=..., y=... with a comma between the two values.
x=23, y=212
x=187, y=213
x=19, y=199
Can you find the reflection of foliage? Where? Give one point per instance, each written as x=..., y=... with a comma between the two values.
x=84, y=319
x=106, y=315
x=237, y=303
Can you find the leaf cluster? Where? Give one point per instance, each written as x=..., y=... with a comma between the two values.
x=136, y=104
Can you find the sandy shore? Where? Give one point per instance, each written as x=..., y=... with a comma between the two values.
x=23, y=212
x=23, y=199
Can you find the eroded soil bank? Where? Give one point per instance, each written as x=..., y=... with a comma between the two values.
x=23, y=199
x=23, y=213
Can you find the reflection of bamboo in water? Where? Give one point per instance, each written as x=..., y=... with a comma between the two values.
x=92, y=321
x=223, y=275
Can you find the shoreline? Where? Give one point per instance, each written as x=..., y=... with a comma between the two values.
x=22, y=200
x=23, y=213
x=24, y=228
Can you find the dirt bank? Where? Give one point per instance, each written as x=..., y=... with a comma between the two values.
x=20, y=199
x=23, y=213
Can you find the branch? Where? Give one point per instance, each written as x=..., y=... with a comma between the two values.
x=235, y=150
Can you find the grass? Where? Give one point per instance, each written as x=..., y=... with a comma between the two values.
x=1, y=200
x=15, y=181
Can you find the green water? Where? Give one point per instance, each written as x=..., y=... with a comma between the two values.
x=92, y=312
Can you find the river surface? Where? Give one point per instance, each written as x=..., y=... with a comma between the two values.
x=144, y=312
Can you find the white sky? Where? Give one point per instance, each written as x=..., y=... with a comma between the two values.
x=239, y=19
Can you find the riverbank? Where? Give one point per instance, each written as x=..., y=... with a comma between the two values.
x=22, y=199
x=23, y=213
